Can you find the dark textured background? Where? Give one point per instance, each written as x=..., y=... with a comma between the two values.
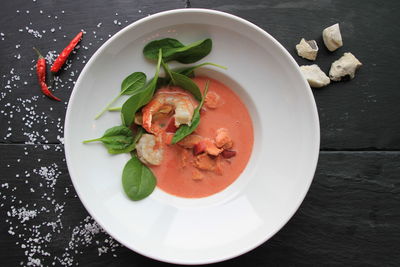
x=351, y=215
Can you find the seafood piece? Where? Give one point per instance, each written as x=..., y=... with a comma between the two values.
x=199, y=148
x=149, y=151
x=344, y=66
x=307, y=49
x=138, y=118
x=190, y=141
x=223, y=139
x=213, y=100
x=211, y=148
x=205, y=162
x=167, y=101
x=197, y=175
x=314, y=76
x=332, y=37
x=206, y=145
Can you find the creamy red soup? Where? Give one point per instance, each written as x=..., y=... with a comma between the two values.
x=226, y=127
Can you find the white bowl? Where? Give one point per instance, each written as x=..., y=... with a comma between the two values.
x=259, y=202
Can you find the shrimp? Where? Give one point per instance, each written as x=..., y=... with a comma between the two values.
x=149, y=151
x=178, y=101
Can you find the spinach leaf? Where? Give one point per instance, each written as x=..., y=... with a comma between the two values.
x=132, y=83
x=115, y=109
x=193, y=52
x=184, y=130
x=189, y=71
x=172, y=49
x=129, y=86
x=137, y=179
x=182, y=81
x=118, y=139
x=186, y=83
x=140, y=131
x=167, y=45
x=168, y=71
x=140, y=98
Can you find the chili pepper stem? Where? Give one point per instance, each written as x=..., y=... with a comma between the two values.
x=108, y=106
x=38, y=52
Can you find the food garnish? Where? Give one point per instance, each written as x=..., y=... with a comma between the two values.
x=41, y=74
x=63, y=56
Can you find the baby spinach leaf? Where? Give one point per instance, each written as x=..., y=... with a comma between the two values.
x=167, y=45
x=137, y=179
x=172, y=49
x=140, y=131
x=184, y=130
x=140, y=98
x=132, y=83
x=189, y=71
x=168, y=71
x=192, y=53
x=182, y=81
x=115, y=109
x=118, y=139
x=186, y=83
x=129, y=86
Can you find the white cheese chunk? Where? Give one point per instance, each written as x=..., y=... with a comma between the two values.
x=344, y=66
x=332, y=37
x=314, y=76
x=307, y=49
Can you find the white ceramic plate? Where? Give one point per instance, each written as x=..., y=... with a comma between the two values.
x=259, y=202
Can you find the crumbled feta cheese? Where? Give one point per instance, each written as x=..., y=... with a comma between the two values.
x=344, y=66
x=314, y=76
x=307, y=49
x=332, y=37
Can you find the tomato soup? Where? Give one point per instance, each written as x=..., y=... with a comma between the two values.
x=177, y=175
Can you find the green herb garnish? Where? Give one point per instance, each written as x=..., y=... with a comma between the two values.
x=172, y=49
x=184, y=130
x=130, y=85
x=137, y=179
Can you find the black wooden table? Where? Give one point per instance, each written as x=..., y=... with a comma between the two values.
x=351, y=215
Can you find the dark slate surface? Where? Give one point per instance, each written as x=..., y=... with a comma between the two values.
x=351, y=215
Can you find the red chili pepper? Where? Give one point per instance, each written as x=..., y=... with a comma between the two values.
x=46, y=91
x=60, y=60
x=41, y=74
